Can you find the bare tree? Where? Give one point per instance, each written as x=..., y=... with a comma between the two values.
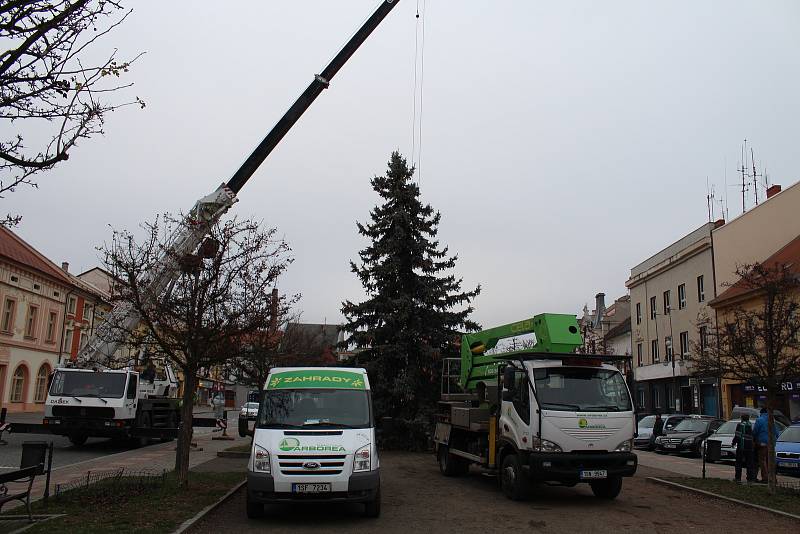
x=757, y=342
x=51, y=90
x=219, y=295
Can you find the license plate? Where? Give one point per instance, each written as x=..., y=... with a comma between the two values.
x=595, y=473
x=792, y=465
x=669, y=446
x=311, y=488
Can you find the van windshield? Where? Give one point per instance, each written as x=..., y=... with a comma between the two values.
x=83, y=384
x=581, y=389
x=315, y=408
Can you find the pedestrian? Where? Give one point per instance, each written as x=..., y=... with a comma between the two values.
x=658, y=429
x=219, y=413
x=745, y=457
x=761, y=440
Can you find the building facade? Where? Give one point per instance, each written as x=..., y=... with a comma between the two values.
x=34, y=297
x=669, y=294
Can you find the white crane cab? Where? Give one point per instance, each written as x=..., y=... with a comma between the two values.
x=314, y=440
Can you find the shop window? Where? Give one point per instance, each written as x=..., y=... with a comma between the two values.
x=41, y=383
x=18, y=384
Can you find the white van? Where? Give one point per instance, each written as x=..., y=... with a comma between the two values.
x=314, y=440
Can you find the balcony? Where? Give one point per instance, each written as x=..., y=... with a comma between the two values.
x=661, y=370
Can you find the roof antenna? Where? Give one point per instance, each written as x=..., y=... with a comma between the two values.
x=743, y=170
x=755, y=176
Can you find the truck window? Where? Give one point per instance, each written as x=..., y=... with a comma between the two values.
x=88, y=384
x=581, y=389
x=132, y=385
x=521, y=398
x=303, y=408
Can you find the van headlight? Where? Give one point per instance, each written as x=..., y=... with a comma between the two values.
x=544, y=445
x=362, y=460
x=625, y=446
x=261, y=460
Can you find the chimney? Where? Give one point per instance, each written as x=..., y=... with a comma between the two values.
x=273, y=310
x=65, y=266
x=719, y=222
x=773, y=190
x=600, y=308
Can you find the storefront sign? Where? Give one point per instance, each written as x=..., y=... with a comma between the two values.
x=785, y=386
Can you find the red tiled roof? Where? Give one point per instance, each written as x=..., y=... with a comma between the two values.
x=788, y=256
x=17, y=250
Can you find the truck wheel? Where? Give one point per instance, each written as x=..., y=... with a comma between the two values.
x=78, y=440
x=451, y=465
x=254, y=509
x=373, y=508
x=143, y=422
x=172, y=422
x=607, y=489
x=512, y=479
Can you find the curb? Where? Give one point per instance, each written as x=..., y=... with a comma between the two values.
x=186, y=525
x=675, y=485
x=233, y=454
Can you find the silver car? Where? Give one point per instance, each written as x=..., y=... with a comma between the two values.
x=725, y=434
x=249, y=411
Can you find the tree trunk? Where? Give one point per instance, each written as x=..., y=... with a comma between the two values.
x=185, y=431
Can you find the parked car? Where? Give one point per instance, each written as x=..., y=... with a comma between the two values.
x=755, y=412
x=249, y=411
x=645, y=438
x=688, y=435
x=787, y=450
x=725, y=435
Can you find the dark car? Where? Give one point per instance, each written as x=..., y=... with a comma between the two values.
x=688, y=435
x=645, y=438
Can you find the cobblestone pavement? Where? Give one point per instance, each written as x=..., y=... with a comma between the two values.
x=416, y=497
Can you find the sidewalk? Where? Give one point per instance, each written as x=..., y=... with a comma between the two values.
x=153, y=457
x=693, y=467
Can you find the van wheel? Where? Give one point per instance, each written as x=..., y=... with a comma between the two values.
x=607, y=489
x=78, y=440
x=254, y=509
x=451, y=465
x=512, y=479
x=373, y=508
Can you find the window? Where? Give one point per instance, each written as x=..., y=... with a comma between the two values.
x=701, y=292
x=56, y=294
x=87, y=311
x=37, y=287
x=14, y=278
x=521, y=402
x=68, y=342
x=50, y=335
x=681, y=296
x=41, y=383
x=684, y=344
x=30, y=321
x=668, y=348
x=639, y=354
x=18, y=384
x=667, y=306
x=638, y=313
x=641, y=398
x=653, y=308
x=8, y=315
x=703, y=338
x=654, y=350
x=670, y=397
x=656, y=398
x=132, y=383
x=84, y=339
x=72, y=304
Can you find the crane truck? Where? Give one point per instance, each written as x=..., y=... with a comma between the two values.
x=99, y=396
x=543, y=414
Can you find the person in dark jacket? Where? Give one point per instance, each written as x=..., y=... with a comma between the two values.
x=745, y=454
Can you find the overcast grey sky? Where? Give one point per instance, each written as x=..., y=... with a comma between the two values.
x=563, y=142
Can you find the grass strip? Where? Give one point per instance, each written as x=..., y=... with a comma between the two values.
x=124, y=509
x=785, y=500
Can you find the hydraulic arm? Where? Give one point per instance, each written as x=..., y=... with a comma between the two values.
x=557, y=333
x=104, y=343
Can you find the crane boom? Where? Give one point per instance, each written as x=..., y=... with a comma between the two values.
x=102, y=346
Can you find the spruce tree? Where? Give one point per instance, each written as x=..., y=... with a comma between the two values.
x=415, y=309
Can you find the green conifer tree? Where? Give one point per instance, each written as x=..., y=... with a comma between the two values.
x=415, y=309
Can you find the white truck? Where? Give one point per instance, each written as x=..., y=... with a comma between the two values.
x=541, y=415
x=314, y=440
x=117, y=404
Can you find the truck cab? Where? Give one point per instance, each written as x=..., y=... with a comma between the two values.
x=314, y=440
x=565, y=420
